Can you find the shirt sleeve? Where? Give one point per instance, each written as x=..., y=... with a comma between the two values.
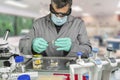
x=83, y=44
x=25, y=43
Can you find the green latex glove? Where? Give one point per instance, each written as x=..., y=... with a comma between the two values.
x=39, y=45
x=63, y=44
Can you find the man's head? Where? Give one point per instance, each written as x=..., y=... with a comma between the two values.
x=60, y=9
x=61, y=3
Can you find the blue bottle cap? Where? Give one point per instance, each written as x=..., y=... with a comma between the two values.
x=86, y=76
x=19, y=59
x=23, y=77
x=91, y=55
x=79, y=53
x=95, y=50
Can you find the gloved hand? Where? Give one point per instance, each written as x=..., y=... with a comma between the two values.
x=39, y=45
x=63, y=44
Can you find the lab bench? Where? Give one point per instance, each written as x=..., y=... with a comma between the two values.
x=37, y=74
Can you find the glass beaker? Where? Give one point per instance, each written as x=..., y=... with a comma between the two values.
x=53, y=64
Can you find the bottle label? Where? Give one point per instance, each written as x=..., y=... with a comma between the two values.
x=37, y=62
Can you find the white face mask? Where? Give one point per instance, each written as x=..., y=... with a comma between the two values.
x=58, y=20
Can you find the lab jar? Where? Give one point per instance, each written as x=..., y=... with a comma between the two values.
x=52, y=64
x=37, y=61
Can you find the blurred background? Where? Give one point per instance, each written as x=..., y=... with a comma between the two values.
x=102, y=19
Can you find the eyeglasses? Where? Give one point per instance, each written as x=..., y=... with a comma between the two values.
x=59, y=13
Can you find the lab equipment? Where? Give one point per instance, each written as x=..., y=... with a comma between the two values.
x=84, y=69
x=6, y=64
x=110, y=57
x=114, y=42
x=110, y=52
x=15, y=69
x=4, y=47
x=16, y=75
x=95, y=52
x=53, y=64
x=24, y=77
x=89, y=68
x=13, y=63
x=19, y=65
x=8, y=68
x=79, y=60
x=112, y=64
x=86, y=75
x=37, y=61
x=4, y=72
x=96, y=60
x=97, y=72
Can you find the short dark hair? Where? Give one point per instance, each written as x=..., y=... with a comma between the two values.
x=61, y=3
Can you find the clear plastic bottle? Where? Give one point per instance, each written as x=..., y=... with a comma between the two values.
x=79, y=54
x=19, y=66
x=95, y=52
x=79, y=60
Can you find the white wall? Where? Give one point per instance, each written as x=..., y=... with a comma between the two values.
x=98, y=25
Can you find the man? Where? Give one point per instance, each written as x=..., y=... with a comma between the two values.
x=58, y=34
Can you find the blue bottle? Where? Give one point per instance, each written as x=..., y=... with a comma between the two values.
x=79, y=54
x=95, y=52
x=19, y=65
